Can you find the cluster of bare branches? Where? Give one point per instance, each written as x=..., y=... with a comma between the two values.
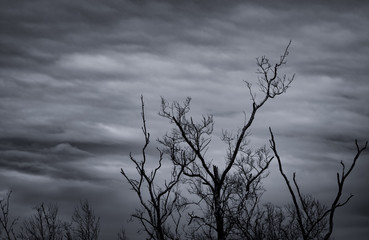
x=45, y=223
x=160, y=214
x=85, y=224
x=7, y=229
x=224, y=200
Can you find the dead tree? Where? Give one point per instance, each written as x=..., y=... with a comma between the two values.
x=7, y=224
x=86, y=226
x=209, y=182
x=312, y=219
x=158, y=216
x=43, y=225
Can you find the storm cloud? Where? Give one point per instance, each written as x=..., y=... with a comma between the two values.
x=72, y=73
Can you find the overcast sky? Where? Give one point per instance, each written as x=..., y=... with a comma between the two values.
x=72, y=72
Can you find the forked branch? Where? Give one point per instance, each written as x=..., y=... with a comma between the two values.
x=303, y=212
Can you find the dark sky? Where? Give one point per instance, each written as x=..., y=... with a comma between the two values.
x=72, y=72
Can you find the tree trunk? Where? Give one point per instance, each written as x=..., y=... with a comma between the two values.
x=218, y=213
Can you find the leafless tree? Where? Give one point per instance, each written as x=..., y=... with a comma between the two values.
x=226, y=198
x=159, y=203
x=312, y=219
x=86, y=226
x=43, y=225
x=211, y=184
x=7, y=224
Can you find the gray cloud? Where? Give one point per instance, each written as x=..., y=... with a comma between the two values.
x=72, y=72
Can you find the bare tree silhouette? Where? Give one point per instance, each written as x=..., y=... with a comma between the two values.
x=221, y=193
x=7, y=224
x=86, y=226
x=43, y=225
x=215, y=187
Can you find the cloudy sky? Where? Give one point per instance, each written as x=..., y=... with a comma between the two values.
x=72, y=72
